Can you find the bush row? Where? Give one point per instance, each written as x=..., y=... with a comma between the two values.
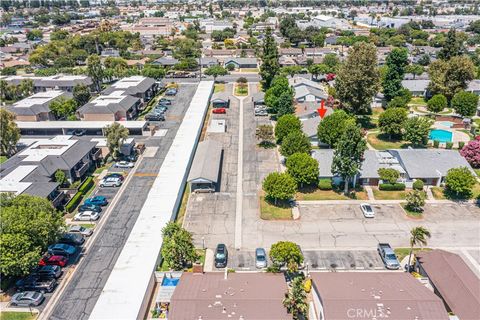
x=72, y=204
x=86, y=185
x=325, y=184
x=392, y=187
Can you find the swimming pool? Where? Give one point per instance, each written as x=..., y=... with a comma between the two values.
x=170, y=282
x=440, y=135
x=447, y=124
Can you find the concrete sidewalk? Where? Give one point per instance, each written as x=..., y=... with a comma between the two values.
x=372, y=201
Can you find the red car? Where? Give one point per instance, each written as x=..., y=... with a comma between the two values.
x=219, y=110
x=53, y=260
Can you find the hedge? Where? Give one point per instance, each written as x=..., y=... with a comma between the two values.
x=72, y=204
x=418, y=185
x=86, y=185
x=449, y=145
x=461, y=144
x=325, y=184
x=392, y=187
x=436, y=143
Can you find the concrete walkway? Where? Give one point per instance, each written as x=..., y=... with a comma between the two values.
x=369, y=191
x=209, y=257
x=239, y=195
x=371, y=201
x=429, y=194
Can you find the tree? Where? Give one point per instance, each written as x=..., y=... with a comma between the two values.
x=216, y=71
x=474, y=27
x=178, y=250
x=295, y=142
x=34, y=34
x=348, y=155
x=460, y=181
x=471, y=152
x=415, y=69
x=279, y=186
x=452, y=47
x=265, y=134
x=285, y=125
x=29, y=225
x=450, y=77
x=416, y=130
x=418, y=236
x=465, y=103
x=95, y=71
x=10, y=133
x=437, y=103
x=388, y=175
x=303, y=168
x=392, y=120
x=116, y=135
x=81, y=94
x=284, y=104
x=415, y=200
x=60, y=177
x=270, y=66
x=63, y=108
x=397, y=60
x=286, y=253
x=332, y=127
x=279, y=97
x=295, y=300
x=357, y=79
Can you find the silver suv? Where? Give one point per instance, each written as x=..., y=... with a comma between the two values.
x=110, y=182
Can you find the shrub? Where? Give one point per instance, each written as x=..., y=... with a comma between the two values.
x=72, y=204
x=436, y=143
x=307, y=285
x=418, y=185
x=86, y=185
x=325, y=184
x=449, y=145
x=461, y=144
x=392, y=187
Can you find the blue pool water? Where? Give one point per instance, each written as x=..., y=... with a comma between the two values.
x=170, y=282
x=447, y=124
x=440, y=135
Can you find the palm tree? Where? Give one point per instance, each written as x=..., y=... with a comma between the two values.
x=116, y=135
x=418, y=236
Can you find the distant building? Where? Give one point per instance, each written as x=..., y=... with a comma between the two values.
x=115, y=106
x=242, y=62
x=57, y=82
x=37, y=106
x=140, y=87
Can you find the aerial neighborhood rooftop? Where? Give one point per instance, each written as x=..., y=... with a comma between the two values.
x=240, y=160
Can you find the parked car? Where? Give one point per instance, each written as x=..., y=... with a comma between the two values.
x=91, y=207
x=260, y=258
x=367, y=210
x=221, y=256
x=77, y=132
x=160, y=109
x=165, y=101
x=62, y=249
x=110, y=182
x=116, y=175
x=73, y=239
x=155, y=117
x=171, y=92
x=27, y=299
x=86, y=216
x=261, y=112
x=219, y=110
x=388, y=256
x=131, y=157
x=53, y=260
x=124, y=164
x=76, y=229
x=48, y=272
x=97, y=200
x=35, y=283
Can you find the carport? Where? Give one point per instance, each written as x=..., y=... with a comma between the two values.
x=66, y=127
x=205, y=171
x=221, y=100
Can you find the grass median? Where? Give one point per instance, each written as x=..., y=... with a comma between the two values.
x=270, y=211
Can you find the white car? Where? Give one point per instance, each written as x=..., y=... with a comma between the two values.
x=87, y=216
x=110, y=182
x=77, y=229
x=367, y=210
x=124, y=164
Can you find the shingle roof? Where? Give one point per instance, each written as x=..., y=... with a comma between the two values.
x=379, y=294
x=302, y=91
x=206, y=163
x=222, y=96
x=258, y=96
x=242, y=61
x=374, y=160
x=310, y=126
x=94, y=107
x=241, y=296
x=454, y=280
x=415, y=85
x=131, y=85
x=325, y=159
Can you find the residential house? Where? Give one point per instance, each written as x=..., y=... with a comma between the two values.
x=207, y=62
x=258, y=98
x=320, y=21
x=140, y=87
x=113, y=107
x=285, y=61
x=452, y=280
x=374, y=160
x=240, y=63
x=32, y=170
x=166, y=61
x=373, y=295
x=204, y=174
x=290, y=52
x=210, y=25
x=220, y=100
x=110, y=52
x=37, y=106
x=57, y=82
x=417, y=87
x=215, y=295
x=307, y=90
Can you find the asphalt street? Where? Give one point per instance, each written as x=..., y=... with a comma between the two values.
x=81, y=294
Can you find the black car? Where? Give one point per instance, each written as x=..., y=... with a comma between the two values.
x=165, y=101
x=35, y=283
x=115, y=175
x=73, y=239
x=48, y=272
x=155, y=117
x=221, y=256
x=130, y=158
x=89, y=207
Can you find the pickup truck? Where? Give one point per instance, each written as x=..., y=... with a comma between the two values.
x=388, y=256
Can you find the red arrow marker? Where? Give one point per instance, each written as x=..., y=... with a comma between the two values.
x=322, y=111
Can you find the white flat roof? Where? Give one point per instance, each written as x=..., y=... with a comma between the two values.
x=77, y=124
x=51, y=147
x=12, y=181
x=125, y=290
x=38, y=99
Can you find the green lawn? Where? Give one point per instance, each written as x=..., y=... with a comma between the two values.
x=320, y=195
x=439, y=193
x=17, y=315
x=241, y=90
x=410, y=213
x=219, y=87
x=477, y=171
x=268, y=211
x=417, y=101
x=403, y=252
x=381, y=142
x=389, y=195
x=183, y=205
x=3, y=159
